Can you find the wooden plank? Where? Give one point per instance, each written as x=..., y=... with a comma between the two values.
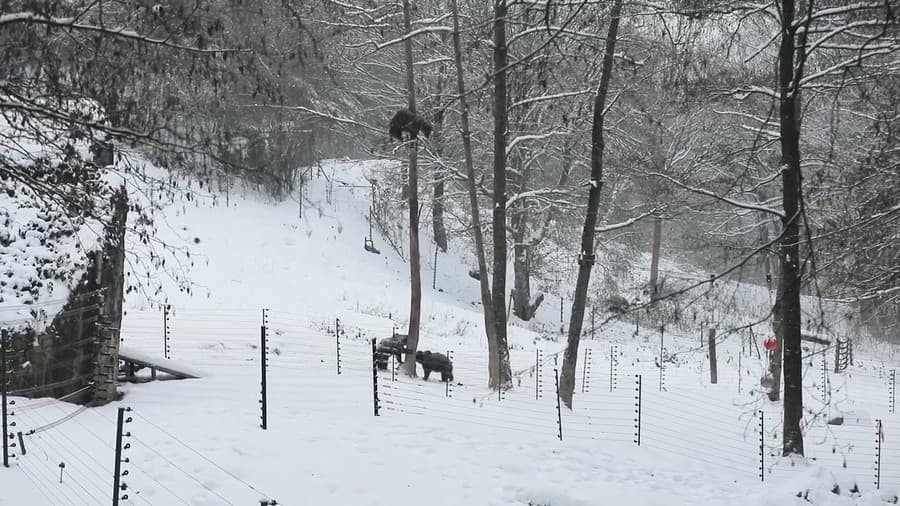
x=156, y=367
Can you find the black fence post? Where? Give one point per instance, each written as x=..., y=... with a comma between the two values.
x=374, y=379
x=593, y=320
x=662, y=361
x=878, y=436
x=118, y=484
x=337, y=342
x=562, y=328
x=22, y=449
x=167, y=332
x=637, y=409
x=300, y=197
x=892, y=391
x=586, y=371
x=613, y=370
x=449, y=386
x=263, y=355
x=762, y=447
x=558, y=407
x=434, y=277
x=837, y=356
x=393, y=367
x=538, y=374
x=840, y=350
x=4, y=386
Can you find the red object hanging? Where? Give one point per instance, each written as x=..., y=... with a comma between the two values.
x=770, y=344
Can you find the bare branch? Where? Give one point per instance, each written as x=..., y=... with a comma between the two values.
x=708, y=193
x=72, y=24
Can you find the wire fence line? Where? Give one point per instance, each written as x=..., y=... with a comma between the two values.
x=680, y=411
x=82, y=450
x=628, y=394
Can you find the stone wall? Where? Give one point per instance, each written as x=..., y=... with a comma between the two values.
x=78, y=352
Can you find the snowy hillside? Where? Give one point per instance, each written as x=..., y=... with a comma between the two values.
x=648, y=428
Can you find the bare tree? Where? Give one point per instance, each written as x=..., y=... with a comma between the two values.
x=586, y=254
x=415, y=268
x=486, y=302
x=504, y=376
x=820, y=48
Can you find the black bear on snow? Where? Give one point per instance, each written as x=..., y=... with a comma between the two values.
x=405, y=120
x=437, y=362
x=394, y=345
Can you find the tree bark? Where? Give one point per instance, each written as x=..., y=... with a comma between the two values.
x=567, y=374
x=437, y=205
x=765, y=259
x=789, y=118
x=654, y=258
x=501, y=120
x=486, y=302
x=521, y=293
x=415, y=267
x=437, y=213
x=775, y=356
x=521, y=278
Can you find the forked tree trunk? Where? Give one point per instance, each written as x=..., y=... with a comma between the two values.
x=586, y=259
x=521, y=278
x=521, y=292
x=499, y=200
x=415, y=268
x=789, y=119
x=486, y=302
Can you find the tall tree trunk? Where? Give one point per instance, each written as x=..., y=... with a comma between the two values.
x=518, y=216
x=654, y=258
x=499, y=200
x=523, y=307
x=521, y=293
x=524, y=251
x=586, y=257
x=789, y=119
x=486, y=302
x=521, y=298
x=437, y=212
x=437, y=205
x=415, y=268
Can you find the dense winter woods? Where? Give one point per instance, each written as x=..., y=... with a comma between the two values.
x=750, y=139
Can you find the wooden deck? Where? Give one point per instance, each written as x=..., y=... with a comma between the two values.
x=136, y=361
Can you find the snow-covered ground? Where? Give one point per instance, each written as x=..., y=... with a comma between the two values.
x=638, y=435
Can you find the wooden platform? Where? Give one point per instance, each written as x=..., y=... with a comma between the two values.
x=135, y=361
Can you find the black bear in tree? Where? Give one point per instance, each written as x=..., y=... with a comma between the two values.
x=405, y=121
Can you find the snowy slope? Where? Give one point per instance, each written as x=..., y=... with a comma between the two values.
x=257, y=264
